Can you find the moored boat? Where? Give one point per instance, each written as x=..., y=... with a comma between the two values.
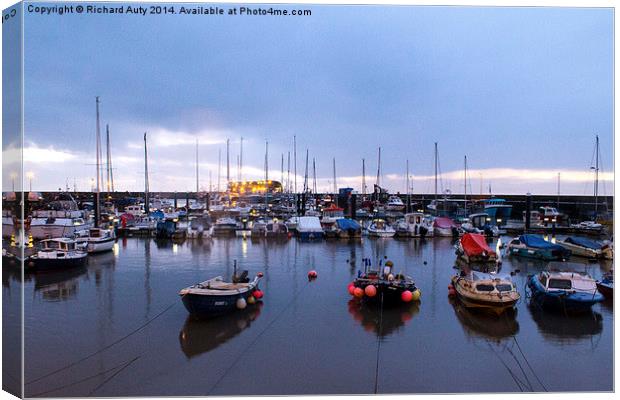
x=587, y=248
x=564, y=291
x=473, y=248
x=380, y=228
x=216, y=296
x=535, y=246
x=97, y=240
x=57, y=253
x=491, y=292
x=444, y=226
x=383, y=286
x=309, y=228
x=606, y=286
x=415, y=225
x=394, y=203
x=348, y=228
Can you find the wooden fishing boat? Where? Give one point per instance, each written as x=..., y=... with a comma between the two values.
x=564, y=291
x=492, y=292
x=216, y=296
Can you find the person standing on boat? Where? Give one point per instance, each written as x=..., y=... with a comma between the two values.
x=387, y=270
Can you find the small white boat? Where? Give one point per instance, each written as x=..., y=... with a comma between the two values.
x=96, y=240
x=57, y=253
x=415, y=225
x=380, y=228
x=394, y=203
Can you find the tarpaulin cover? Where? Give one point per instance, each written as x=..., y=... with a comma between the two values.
x=475, y=244
x=590, y=244
x=444, y=222
x=538, y=242
x=158, y=214
x=346, y=224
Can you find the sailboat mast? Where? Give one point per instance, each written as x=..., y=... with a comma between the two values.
x=266, y=161
x=241, y=160
x=436, y=155
x=288, y=172
x=295, y=161
x=146, y=177
x=306, y=174
x=98, y=140
x=219, y=168
x=335, y=186
x=107, y=147
x=282, y=170
x=407, y=188
x=313, y=176
x=379, y=169
x=596, y=180
x=363, y=179
x=465, y=183
x=227, y=163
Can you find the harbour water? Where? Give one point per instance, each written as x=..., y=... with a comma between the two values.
x=118, y=326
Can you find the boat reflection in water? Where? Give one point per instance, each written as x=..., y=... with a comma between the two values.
x=566, y=329
x=58, y=285
x=391, y=321
x=199, y=336
x=478, y=324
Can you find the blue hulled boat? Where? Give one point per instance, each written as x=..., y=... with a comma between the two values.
x=564, y=291
x=216, y=297
x=534, y=246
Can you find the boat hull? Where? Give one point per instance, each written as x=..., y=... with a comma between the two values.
x=310, y=235
x=541, y=254
x=101, y=245
x=495, y=303
x=606, y=290
x=562, y=300
x=581, y=251
x=43, y=264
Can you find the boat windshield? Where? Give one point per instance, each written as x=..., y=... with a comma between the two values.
x=559, y=284
x=504, y=287
x=481, y=287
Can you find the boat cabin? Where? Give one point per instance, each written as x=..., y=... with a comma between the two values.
x=59, y=244
x=553, y=281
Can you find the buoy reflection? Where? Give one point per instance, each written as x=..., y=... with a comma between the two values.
x=392, y=320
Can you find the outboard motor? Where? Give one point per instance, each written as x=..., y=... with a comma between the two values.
x=455, y=232
x=423, y=231
x=243, y=278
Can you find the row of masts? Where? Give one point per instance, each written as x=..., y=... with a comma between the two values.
x=110, y=175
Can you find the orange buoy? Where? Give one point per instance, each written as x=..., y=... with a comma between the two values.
x=358, y=292
x=351, y=288
x=258, y=294
x=451, y=292
x=370, y=291
x=312, y=274
x=406, y=296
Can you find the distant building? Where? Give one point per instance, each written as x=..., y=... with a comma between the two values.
x=246, y=188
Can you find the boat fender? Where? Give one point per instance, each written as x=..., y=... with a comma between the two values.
x=451, y=292
x=351, y=288
x=312, y=274
x=251, y=300
x=241, y=303
x=415, y=296
x=406, y=296
x=358, y=292
x=258, y=294
x=370, y=291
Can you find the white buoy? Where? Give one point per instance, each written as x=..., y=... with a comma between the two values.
x=241, y=303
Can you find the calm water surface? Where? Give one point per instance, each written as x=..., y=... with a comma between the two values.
x=86, y=333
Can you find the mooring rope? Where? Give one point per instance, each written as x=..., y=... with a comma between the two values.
x=290, y=303
x=138, y=329
x=113, y=375
x=82, y=380
x=379, y=344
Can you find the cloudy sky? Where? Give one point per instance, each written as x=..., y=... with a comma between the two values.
x=521, y=92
